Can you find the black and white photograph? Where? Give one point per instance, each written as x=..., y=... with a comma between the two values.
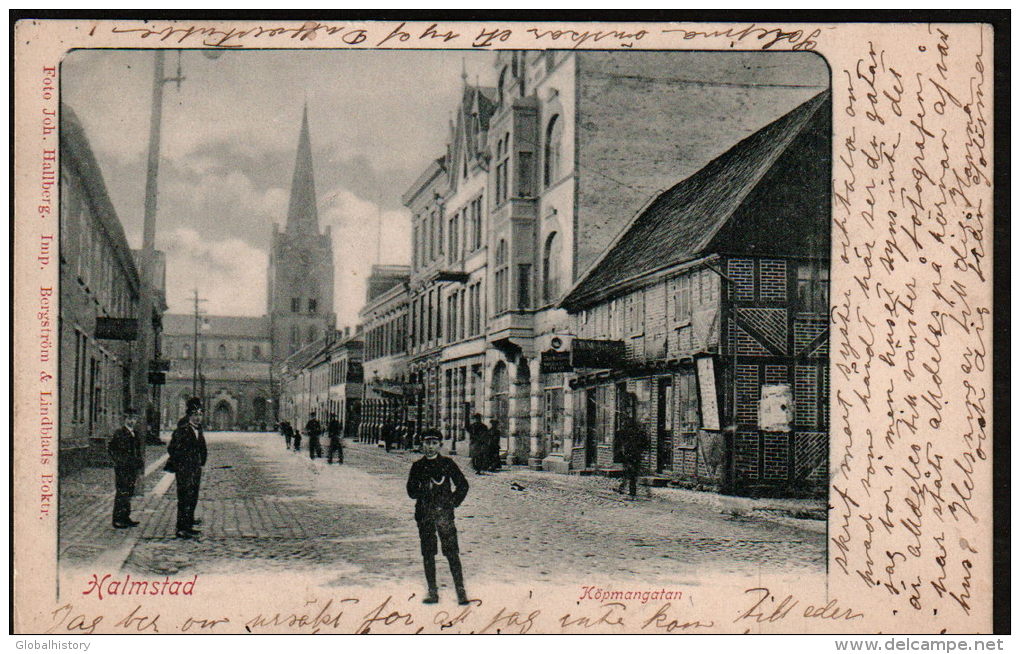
x=505, y=326
x=542, y=312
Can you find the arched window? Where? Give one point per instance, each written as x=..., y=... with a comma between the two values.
x=222, y=350
x=553, y=136
x=551, y=256
x=502, y=281
x=256, y=352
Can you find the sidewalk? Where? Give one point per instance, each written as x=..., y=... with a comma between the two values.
x=809, y=514
x=86, y=510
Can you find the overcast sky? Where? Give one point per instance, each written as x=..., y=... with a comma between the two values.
x=228, y=147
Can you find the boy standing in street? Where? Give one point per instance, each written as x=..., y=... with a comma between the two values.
x=438, y=487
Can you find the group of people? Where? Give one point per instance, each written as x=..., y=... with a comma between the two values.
x=435, y=482
x=186, y=455
x=484, y=445
x=313, y=430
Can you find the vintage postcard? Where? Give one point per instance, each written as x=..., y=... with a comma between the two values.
x=502, y=327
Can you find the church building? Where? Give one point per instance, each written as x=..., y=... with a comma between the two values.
x=237, y=370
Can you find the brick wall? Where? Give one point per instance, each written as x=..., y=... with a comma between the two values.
x=643, y=124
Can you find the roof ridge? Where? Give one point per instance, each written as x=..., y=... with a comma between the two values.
x=709, y=173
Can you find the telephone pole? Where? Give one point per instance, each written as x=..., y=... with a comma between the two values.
x=194, y=370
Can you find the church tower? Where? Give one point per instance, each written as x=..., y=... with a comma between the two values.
x=300, y=284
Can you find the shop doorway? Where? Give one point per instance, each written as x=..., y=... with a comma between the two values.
x=223, y=416
x=664, y=425
x=501, y=402
x=591, y=407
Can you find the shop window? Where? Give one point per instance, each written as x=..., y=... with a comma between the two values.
x=502, y=279
x=523, y=285
x=552, y=418
x=813, y=287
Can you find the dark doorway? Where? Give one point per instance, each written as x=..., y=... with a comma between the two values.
x=591, y=428
x=664, y=425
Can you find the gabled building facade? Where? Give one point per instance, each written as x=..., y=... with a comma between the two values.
x=711, y=312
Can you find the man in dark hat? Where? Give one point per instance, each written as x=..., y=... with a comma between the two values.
x=633, y=444
x=438, y=487
x=313, y=429
x=478, y=441
x=187, y=456
x=126, y=451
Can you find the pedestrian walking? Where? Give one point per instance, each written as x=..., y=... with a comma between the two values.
x=297, y=439
x=288, y=432
x=188, y=454
x=336, y=439
x=438, y=487
x=313, y=429
x=389, y=434
x=493, y=461
x=633, y=444
x=478, y=435
x=126, y=451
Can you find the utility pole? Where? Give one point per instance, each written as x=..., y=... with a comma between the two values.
x=148, y=258
x=194, y=370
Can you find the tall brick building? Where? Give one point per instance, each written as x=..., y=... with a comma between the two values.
x=110, y=320
x=559, y=157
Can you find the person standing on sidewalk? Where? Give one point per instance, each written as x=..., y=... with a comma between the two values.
x=633, y=443
x=188, y=454
x=126, y=451
x=313, y=429
x=336, y=439
x=438, y=487
x=478, y=435
x=493, y=461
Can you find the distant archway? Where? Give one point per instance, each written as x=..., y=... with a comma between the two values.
x=223, y=416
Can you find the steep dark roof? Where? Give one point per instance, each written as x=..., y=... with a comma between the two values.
x=682, y=222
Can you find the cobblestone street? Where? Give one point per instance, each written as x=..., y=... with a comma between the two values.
x=266, y=509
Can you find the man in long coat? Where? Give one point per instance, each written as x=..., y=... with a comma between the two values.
x=478, y=435
x=313, y=429
x=493, y=461
x=188, y=454
x=126, y=451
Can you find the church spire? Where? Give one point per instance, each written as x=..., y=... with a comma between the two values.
x=302, y=215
